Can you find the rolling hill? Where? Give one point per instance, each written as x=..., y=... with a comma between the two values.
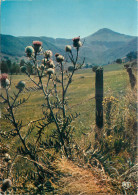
x=101, y=47
x=15, y=46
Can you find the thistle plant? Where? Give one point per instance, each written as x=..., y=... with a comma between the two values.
x=4, y=80
x=56, y=106
x=53, y=80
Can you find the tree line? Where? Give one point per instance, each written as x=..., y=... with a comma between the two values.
x=7, y=66
x=129, y=57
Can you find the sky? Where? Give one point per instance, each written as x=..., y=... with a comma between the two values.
x=67, y=18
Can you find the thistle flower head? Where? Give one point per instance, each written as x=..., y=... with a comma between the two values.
x=3, y=76
x=6, y=184
x=68, y=48
x=59, y=58
x=76, y=39
x=50, y=71
x=20, y=85
x=38, y=43
x=4, y=81
x=23, y=68
x=50, y=64
x=48, y=53
x=37, y=46
x=76, y=42
x=29, y=50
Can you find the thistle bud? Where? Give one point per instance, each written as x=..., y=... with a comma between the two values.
x=37, y=46
x=44, y=61
x=6, y=184
x=50, y=71
x=60, y=58
x=48, y=53
x=68, y=48
x=23, y=69
x=20, y=85
x=29, y=50
x=7, y=82
x=50, y=64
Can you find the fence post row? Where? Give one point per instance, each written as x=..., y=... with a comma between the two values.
x=99, y=96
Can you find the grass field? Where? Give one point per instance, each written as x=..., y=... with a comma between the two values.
x=80, y=96
x=81, y=100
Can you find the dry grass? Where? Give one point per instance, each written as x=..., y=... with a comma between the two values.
x=79, y=180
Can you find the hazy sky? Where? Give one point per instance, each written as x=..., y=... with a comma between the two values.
x=67, y=18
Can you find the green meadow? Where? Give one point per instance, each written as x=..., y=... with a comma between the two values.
x=80, y=96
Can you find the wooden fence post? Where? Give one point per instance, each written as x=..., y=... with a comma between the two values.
x=132, y=77
x=99, y=96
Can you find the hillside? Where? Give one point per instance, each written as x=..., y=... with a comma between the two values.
x=101, y=47
x=15, y=46
x=121, y=50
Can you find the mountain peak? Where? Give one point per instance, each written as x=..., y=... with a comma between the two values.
x=105, y=31
x=107, y=35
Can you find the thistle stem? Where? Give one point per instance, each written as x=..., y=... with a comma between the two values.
x=63, y=91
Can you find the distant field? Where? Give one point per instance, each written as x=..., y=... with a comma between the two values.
x=80, y=96
x=113, y=67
